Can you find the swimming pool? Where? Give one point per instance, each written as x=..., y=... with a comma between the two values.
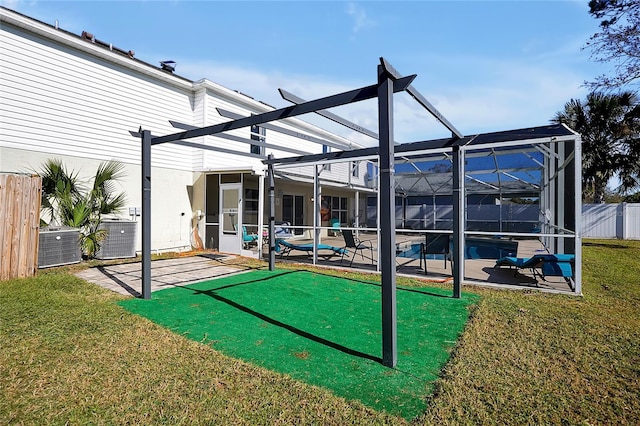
x=475, y=248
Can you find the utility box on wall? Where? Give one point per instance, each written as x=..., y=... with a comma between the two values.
x=121, y=239
x=59, y=246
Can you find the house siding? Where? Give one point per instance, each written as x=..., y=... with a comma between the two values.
x=67, y=98
x=65, y=102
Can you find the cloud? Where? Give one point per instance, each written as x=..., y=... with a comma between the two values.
x=360, y=18
x=494, y=96
x=262, y=85
x=10, y=4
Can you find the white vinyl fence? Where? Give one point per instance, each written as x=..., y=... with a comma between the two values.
x=611, y=221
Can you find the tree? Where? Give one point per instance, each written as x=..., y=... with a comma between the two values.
x=610, y=129
x=618, y=41
x=68, y=203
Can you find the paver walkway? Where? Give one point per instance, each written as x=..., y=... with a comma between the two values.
x=127, y=278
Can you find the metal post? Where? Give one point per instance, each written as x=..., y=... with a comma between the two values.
x=260, y=214
x=566, y=195
x=545, y=203
x=356, y=219
x=146, y=214
x=387, y=248
x=553, y=201
x=378, y=215
x=272, y=216
x=317, y=218
x=577, y=193
x=458, y=220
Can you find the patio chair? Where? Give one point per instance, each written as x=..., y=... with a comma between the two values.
x=435, y=244
x=352, y=243
x=335, y=227
x=288, y=246
x=282, y=230
x=248, y=240
x=558, y=265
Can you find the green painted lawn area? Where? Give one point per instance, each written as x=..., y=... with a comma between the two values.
x=321, y=329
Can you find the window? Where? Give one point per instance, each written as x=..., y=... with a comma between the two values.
x=251, y=200
x=334, y=207
x=355, y=169
x=293, y=211
x=257, y=134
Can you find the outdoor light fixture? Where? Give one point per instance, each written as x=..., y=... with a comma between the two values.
x=168, y=65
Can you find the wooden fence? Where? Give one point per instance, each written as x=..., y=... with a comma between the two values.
x=19, y=225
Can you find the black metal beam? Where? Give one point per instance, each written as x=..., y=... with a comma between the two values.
x=356, y=95
x=421, y=99
x=333, y=156
x=208, y=147
x=239, y=139
x=284, y=131
x=288, y=96
x=365, y=152
x=218, y=149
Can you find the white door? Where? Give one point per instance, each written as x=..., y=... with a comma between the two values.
x=230, y=218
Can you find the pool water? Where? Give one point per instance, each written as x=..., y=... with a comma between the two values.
x=476, y=248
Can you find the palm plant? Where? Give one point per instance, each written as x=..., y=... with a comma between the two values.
x=610, y=129
x=57, y=184
x=69, y=204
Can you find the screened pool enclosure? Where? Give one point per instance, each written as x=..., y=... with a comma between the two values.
x=520, y=200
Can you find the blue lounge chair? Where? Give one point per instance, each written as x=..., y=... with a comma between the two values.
x=282, y=230
x=248, y=239
x=285, y=247
x=558, y=265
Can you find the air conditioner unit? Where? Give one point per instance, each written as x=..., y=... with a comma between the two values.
x=59, y=246
x=121, y=239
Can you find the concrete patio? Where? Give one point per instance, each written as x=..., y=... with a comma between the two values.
x=126, y=278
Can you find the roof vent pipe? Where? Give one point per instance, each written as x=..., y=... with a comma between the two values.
x=88, y=36
x=168, y=65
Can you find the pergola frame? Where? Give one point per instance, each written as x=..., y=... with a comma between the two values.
x=389, y=82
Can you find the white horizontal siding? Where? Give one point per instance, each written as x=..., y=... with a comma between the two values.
x=199, y=108
x=212, y=160
x=61, y=101
x=338, y=172
x=65, y=97
x=272, y=137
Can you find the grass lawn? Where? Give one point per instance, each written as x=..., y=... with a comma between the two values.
x=70, y=353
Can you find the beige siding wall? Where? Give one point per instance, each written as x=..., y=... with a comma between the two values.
x=171, y=193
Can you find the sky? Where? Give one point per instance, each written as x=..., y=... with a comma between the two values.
x=485, y=65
